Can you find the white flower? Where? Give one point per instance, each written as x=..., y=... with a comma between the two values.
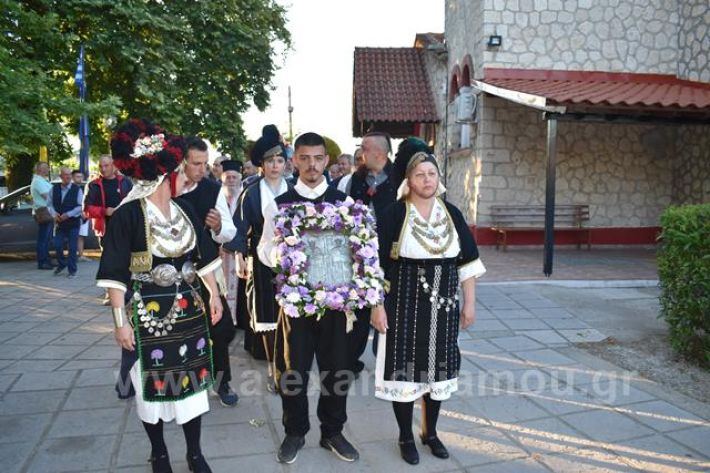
x=294, y=279
x=310, y=210
x=320, y=296
x=293, y=298
x=291, y=240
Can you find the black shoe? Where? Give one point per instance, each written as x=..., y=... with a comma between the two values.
x=341, y=447
x=227, y=397
x=437, y=448
x=288, y=451
x=58, y=271
x=197, y=464
x=45, y=266
x=160, y=464
x=409, y=451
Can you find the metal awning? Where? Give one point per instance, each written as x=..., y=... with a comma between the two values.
x=596, y=97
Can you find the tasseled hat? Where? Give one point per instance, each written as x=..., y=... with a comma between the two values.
x=411, y=152
x=267, y=146
x=142, y=150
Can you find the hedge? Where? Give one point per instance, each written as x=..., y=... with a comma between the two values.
x=684, y=275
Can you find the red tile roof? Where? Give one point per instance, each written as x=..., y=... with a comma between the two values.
x=391, y=85
x=604, y=88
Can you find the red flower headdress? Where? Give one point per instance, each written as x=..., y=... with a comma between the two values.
x=142, y=150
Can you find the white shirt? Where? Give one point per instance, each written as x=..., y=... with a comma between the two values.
x=228, y=230
x=266, y=247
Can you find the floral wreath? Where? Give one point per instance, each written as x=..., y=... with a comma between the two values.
x=294, y=293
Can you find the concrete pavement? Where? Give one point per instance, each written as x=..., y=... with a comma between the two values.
x=529, y=400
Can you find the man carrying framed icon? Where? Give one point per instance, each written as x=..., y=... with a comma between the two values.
x=323, y=247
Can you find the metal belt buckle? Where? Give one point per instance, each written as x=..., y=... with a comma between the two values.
x=165, y=275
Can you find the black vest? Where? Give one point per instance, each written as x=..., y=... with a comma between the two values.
x=203, y=198
x=64, y=206
x=330, y=195
x=385, y=194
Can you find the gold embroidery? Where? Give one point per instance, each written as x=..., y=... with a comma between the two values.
x=141, y=261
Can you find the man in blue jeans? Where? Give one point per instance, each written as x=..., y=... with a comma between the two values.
x=66, y=203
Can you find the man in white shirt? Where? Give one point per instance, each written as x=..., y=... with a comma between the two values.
x=300, y=339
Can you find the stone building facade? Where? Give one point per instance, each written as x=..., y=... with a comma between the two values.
x=627, y=173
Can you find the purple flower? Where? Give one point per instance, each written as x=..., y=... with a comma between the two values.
x=310, y=309
x=291, y=310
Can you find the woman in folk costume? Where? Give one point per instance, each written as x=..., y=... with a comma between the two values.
x=426, y=252
x=269, y=155
x=155, y=252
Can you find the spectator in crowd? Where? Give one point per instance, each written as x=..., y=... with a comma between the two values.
x=248, y=169
x=66, y=210
x=104, y=194
x=334, y=171
x=216, y=173
x=346, y=161
x=40, y=189
x=78, y=179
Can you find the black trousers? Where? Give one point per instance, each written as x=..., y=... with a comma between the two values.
x=298, y=340
x=357, y=339
x=222, y=334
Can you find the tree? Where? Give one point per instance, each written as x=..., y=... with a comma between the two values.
x=192, y=66
x=333, y=150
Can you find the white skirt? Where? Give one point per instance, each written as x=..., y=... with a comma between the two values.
x=406, y=391
x=180, y=411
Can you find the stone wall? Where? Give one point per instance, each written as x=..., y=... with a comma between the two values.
x=464, y=33
x=622, y=171
x=694, y=40
x=691, y=170
x=641, y=36
x=602, y=35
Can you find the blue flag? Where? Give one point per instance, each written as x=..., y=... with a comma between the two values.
x=79, y=74
x=84, y=120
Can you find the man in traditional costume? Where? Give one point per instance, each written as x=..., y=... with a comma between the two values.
x=426, y=251
x=299, y=339
x=212, y=210
x=154, y=253
x=268, y=154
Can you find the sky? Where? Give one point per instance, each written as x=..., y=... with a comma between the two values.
x=319, y=66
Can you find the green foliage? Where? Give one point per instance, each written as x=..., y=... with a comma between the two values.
x=192, y=66
x=333, y=150
x=684, y=272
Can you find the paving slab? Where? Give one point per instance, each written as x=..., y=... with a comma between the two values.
x=697, y=438
x=659, y=453
x=73, y=453
x=606, y=425
x=529, y=400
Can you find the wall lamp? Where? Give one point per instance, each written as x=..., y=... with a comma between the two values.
x=494, y=41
